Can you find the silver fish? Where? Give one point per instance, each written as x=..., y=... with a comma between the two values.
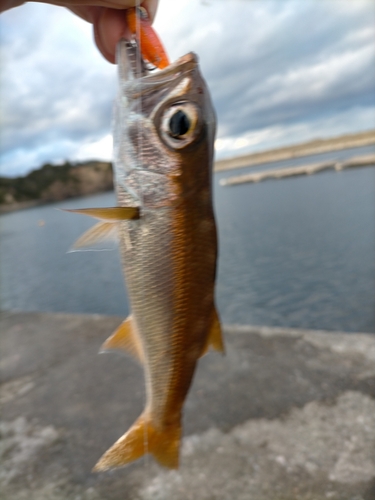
x=164, y=136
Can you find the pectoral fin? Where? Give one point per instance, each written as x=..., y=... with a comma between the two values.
x=214, y=338
x=103, y=231
x=142, y=438
x=126, y=338
x=109, y=214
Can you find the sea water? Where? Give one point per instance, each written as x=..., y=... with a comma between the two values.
x=298, y=252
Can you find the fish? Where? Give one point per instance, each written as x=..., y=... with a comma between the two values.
x=164, y=132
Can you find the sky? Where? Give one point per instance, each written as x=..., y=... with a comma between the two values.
x=279, y=71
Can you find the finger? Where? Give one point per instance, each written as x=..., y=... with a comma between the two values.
x=9, y=4
x=83, y=7
x=151, y=6
x=87, y=12
x=73, y=4
x=109, y=27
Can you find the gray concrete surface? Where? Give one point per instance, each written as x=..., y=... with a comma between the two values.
x=312, y=168
x=285, y=415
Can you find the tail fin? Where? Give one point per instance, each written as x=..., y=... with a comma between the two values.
x=140, y=439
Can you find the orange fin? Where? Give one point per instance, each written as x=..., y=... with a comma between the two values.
x=214, y=338
x=140, y=439
x=109, y=214
x=103, y=231
x=126, y=338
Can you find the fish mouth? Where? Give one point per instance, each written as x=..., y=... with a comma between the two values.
x=136, y=77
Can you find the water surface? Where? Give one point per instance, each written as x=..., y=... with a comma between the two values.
x=295, y=253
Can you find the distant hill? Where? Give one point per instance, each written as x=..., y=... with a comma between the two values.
x=55, y=183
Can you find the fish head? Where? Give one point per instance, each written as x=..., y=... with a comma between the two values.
x=164, y=130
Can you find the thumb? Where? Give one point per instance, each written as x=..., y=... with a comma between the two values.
x=110, y=26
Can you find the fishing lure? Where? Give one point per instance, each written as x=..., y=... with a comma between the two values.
x=152, y=49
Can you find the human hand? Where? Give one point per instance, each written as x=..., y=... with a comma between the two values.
x=107, y=17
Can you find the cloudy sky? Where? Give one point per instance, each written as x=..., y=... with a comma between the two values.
x=280, y=72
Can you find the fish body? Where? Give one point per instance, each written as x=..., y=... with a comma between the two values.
x=164, y=137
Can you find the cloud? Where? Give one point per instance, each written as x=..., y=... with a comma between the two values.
x=100, y=149
x=275, y=136
x=279, y=63
x=277, y=71
x=58, y=90
x=302, y=93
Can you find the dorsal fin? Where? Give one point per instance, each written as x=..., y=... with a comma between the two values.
x=126, y=338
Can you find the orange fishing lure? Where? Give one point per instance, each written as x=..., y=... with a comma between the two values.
x=150, y=45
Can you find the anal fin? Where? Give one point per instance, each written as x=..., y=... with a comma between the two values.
x=143, y=437
x=214, y=337
x=126, y=338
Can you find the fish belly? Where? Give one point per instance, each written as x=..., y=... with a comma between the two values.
x=169, y=259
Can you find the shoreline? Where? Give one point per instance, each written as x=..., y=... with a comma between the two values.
x=23, y=205
x=317, y=146
x=283, y=173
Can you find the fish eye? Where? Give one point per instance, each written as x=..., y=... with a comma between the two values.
x=180, y=124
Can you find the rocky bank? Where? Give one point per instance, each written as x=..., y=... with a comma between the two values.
x=53, y=183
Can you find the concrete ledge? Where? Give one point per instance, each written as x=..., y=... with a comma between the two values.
x=285, y=172
x=285, y=415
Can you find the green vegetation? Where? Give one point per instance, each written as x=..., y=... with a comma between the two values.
x=32, y=186
x=55, y=182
